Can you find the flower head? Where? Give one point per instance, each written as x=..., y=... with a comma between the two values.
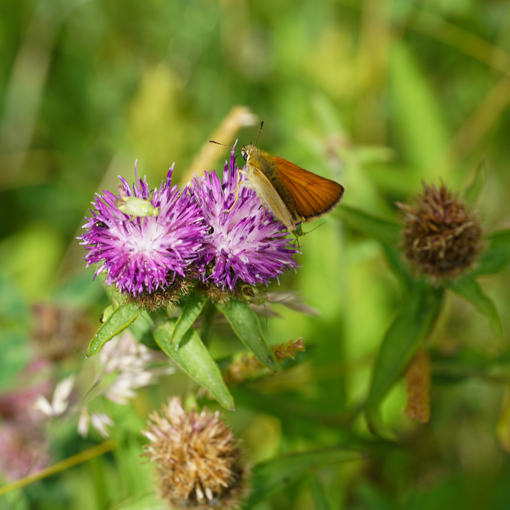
x=145, y=253
x=198, y=458
x=245, y=242
x=442, y=235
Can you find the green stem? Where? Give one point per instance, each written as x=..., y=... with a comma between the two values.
x=209, y=314
x=61, y=466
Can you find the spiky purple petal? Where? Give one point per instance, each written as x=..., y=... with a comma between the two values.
x=143, y=254
x=245, y=243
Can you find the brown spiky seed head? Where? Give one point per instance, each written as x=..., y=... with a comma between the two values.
x=199, y=461
x=442, y=236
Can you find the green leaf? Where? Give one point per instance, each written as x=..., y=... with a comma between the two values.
x=475, y=187
x=107, y=313
x=417, y=115
x=497, y=255
x=417, y=314
x=208, y=319
x=382, y=229
x=470, y=289
x=193, y=358
x=194, y=305
x=118, y=321
x=319, y=498
x=246, y=326
x=142, y=330
x=277, y=473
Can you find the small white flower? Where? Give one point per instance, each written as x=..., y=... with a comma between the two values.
x=83, y=423
x=100, y=421
x=43, y=405
x=120, y=391
x=60, y=401
x=131, y=361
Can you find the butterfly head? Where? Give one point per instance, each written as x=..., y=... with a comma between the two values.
x=245, y=151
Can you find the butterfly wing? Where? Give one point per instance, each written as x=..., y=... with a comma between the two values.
x=313, y=195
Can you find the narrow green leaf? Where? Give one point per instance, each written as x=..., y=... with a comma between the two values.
x=118, y=321
x=470, y=289
x=497, y=255
x=194, y=359
x=319, y=497
x=246, y=326
x=417, y=314
x=475, y=187
x=190, y=312
x=277, y=473
x=382, y=229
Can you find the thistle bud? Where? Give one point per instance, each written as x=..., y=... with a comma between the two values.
x=198, y=459
x=442, y=235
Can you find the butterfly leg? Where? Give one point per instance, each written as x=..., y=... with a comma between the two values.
x=296, y=235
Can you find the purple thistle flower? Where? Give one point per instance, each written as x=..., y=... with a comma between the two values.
x=144, y=253
x=243, y=243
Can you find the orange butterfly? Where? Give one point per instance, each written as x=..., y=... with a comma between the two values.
x=293, y=194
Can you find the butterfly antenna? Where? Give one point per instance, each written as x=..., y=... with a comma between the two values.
x=223, y=145
x=298, y=245
x=260, y=130
x=318, y=226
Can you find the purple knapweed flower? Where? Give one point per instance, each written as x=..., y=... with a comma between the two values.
x=142, y=254
x=245, y=243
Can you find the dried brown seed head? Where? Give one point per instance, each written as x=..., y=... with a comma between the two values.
x=198, y=459
x=442, y=235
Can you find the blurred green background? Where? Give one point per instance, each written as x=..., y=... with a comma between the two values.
x=376, y=94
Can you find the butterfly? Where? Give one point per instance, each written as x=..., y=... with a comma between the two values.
x=294, y=195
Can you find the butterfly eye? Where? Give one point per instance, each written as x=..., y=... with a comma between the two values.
x=244, y=154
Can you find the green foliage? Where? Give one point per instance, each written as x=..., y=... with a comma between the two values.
x=190, y=312
x=117, y=321
x=275, y=474
x=376, y=95
x=414, y=319
x=246, y=326
x=193, y=357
